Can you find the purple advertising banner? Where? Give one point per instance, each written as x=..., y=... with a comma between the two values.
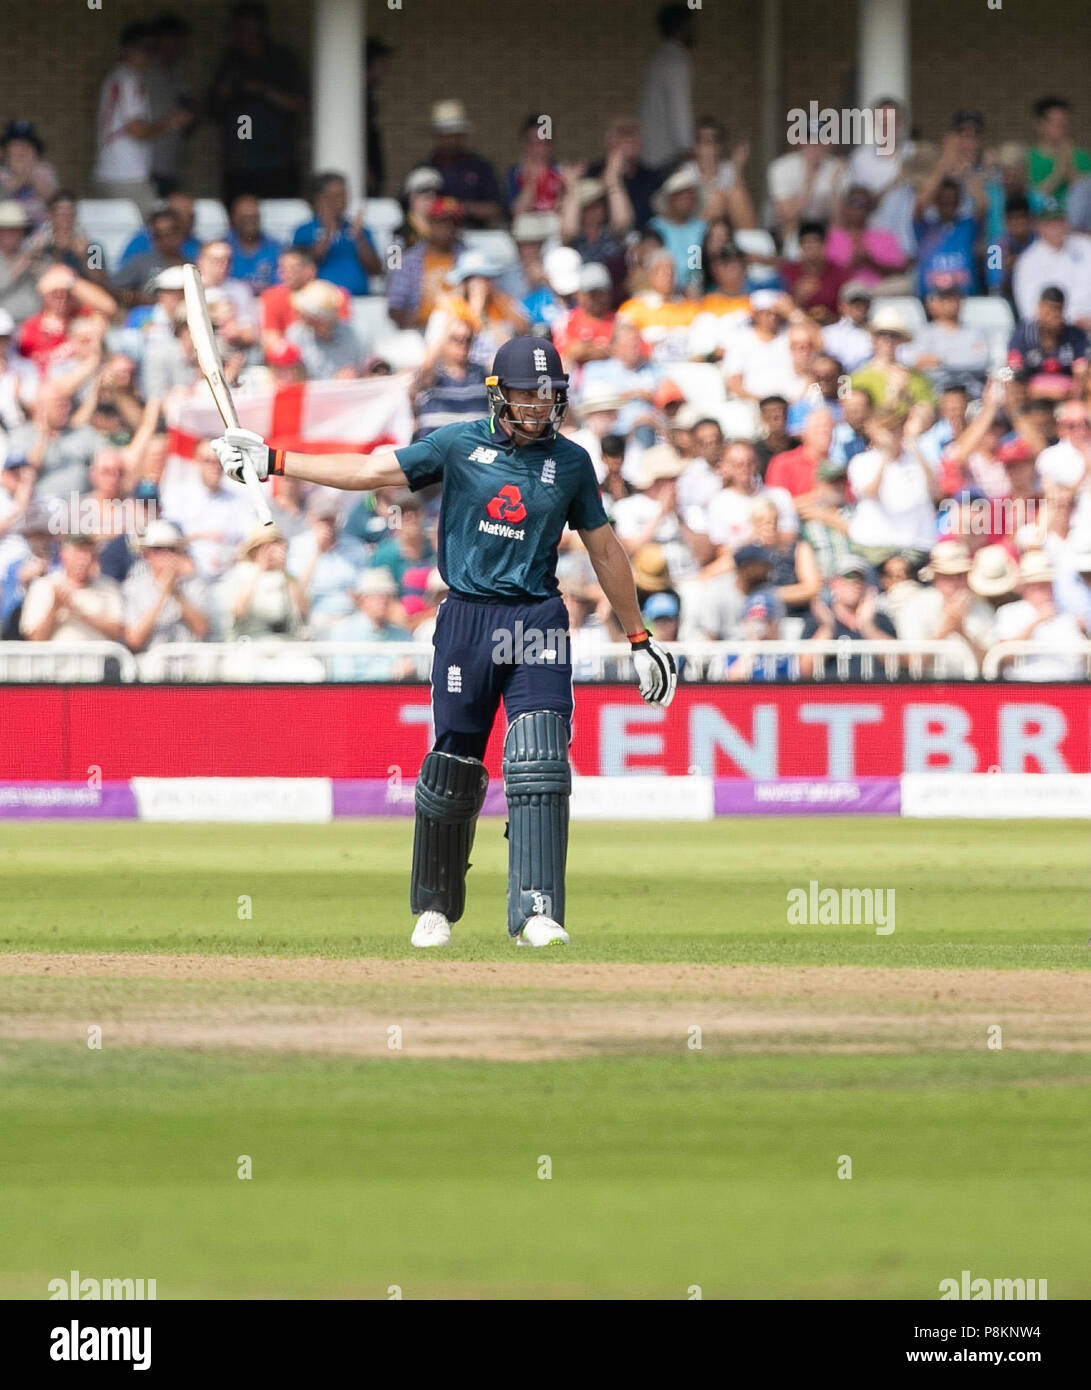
x=66, y=801
x=379, y=796
x=806, y=796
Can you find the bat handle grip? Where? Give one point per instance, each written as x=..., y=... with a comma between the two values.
x=253, y=487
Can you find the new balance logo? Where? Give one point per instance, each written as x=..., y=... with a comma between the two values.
x=483, y=455
x=507, y=505
x=549, y=471
x=454, y=680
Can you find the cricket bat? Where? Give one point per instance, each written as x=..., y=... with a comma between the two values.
x=208, y=359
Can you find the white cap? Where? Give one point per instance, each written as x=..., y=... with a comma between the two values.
x=594, y=276
x=562, y=267
x=162, y=535
x=376, y=581
x=449, y=117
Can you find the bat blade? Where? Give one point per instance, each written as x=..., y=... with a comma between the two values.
x=208, y=359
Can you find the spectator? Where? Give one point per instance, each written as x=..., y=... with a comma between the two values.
x=585, y=333
x=407, y=544
x=825, y=517
x=65, y=243
x=21, y=264
x=946, y=237
x=530, y=231
x=535, y=183
x=64, y=296
x=295, y=270
x=729, y=513
x=73, y=604
x=257, y=83
x=344, y=251
x=163, y=599
x=1050, y=354
x=952, y=420
x=596, y=214
x=972, y=459
x=666, y=101
x=652, y=515
x=16, y=486
x=884, y=377
x=326, y=563
x=623, y=162
x=493, y=316
x=796, y=580
x=796, y=471
x=1066, y=463
x=58, y=451
x=169, y=91
x=329, y=347
x=946, y=350
x=1034, y=618
x=420, y=190
x=868, y=254
x=993, y=576
x=804, y=184
x=895, y=489
x=850, y=434
x=416, y=285
x=377, y=59
x=948, y=610
x=722, y=602
x=823, y=390
x=681, y=230
x=848, y=339
x=725, y=305
x=34, y=551
x=253, y=254
x=448, y=387
x=614, y=485
x=289, y=512
x=375, y=598
x=626, y=373
x=213, y=517
x=759, y=623
x=722, y=190
x=25, y=176
x=598, y=413
x=813, y=281
x=467, y=177
x=126, y=131
x=185, y=209
x=131, y=283
x=851, y=614
x=214, y=265
x=260, y=598
x=758, y=362
x=876, y=167
x=700, y=482
x=170, y=363
x=1059, y=259
x=1053, y=161
x=18, y=379
x=774, y=438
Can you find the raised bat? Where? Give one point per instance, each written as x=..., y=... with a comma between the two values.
x=208, y=359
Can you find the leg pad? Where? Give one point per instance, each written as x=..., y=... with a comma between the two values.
x=449, y=796
x=538, y=783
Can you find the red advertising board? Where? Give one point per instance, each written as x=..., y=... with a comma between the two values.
x=756, y=731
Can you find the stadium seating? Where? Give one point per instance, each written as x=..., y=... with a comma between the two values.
x=993, y=316
x=110, y=223
x=209, y=219
x=281, y=216
x=369, y=317
x=496, y=244
x=701, y=383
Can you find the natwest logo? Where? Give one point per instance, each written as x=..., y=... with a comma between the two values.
x=507, y=505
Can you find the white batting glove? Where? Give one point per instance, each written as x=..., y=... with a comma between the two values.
x=234, y=447
x=656, y=672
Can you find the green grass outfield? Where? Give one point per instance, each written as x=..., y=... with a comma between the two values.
x=969, y=894
x=670, y=1167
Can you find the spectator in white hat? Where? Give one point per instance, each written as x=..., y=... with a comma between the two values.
x=329, y=346
x=375, y=597
x=757, y=362
x=528, y=281
x=654, y=515
x=884, y=376
x=947, y=609
x=466, y=176
x=21, y=265
x=596, y=215
x=1034, y=618
x=164, y=600
x=584, y=334
x=259, y=597
x=993, y=576
x=421, y=188
x=677, y=223
x=476, y=300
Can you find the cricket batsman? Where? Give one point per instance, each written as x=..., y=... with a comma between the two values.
x=510, y=485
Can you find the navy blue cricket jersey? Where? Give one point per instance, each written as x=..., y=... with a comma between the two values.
x=504, y=506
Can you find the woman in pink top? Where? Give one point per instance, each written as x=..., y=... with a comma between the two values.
x=867, y=253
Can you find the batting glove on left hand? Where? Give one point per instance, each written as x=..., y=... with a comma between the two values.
x=234, y=447
x=656, y=672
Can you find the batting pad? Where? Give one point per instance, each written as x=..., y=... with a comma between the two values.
x=538, y=783
x=449, y=795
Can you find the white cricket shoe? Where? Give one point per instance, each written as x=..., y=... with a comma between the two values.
x=542, y=931
x=432, y=929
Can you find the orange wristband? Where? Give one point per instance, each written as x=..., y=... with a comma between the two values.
x=276, y=462
x=635, y=637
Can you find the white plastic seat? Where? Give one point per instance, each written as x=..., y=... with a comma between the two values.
x=281, y=216
x=993, y=317
x=368, y=316
x=701, y=383
x=110, y=223
x=210, y=219
x=494, y=242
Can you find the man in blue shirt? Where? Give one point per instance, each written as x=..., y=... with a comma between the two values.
x=510, y=485
x=344, y=250
x=946, y=241
x=253, y=255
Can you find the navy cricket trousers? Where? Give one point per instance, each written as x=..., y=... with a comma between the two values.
x=488, y=650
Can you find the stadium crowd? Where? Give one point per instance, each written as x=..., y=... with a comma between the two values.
x=855, y=406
